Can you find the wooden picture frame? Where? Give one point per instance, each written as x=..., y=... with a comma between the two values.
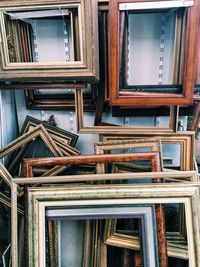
x=137, y=99
x=196, y=117
x=38, y=131
x=5, y=175
x=85, y=67
x=62, y=101
x=65, y=140
x=184, y=139
x=154, y=157
x=117, y=129
x=188, y=194
x=58, y=135
x=108, y=147
x=7, y=202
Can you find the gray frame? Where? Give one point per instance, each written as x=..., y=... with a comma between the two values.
x=146, y=214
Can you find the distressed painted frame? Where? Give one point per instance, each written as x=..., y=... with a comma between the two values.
x=183, y=177
x=188, y=194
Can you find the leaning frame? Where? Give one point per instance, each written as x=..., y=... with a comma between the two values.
x=184, y=177
x=153, y=157
x=133, y=99
x=55, y=132
x=145, y=214
x=81, y=128
x=101, y=195
x=38, y=131
x=185, y=139
x=86, y=68
x=106, y=147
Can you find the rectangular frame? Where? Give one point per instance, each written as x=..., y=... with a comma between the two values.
x=58, y=101
x=185, y=139
x=106, y=147
x=132, y=99
x=106, y=129
x=187, y=194
x=145, y=214
x=86, y=69
x=154, y=157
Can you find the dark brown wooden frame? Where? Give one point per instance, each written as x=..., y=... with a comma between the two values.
x=58, y=101
x=131, y=99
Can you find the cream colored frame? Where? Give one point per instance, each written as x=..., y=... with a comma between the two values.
x=184, y=177
x=41, y=198
x=185, y=139
x=85, y=69
x=81, y=128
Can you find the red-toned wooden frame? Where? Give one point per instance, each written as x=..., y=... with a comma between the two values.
x=154, y=157
x=135, y=99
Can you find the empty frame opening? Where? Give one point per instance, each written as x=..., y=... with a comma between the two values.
x=48, y=35
x=152, y=45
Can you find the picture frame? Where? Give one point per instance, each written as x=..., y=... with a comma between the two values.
x=59, y=135
x=62, y=100
x=176, y=243
x=5, y=175
x=146, y=216
x=188, y=194
x=117, y=129
x=184, y=139
x=196, y=117
x=85, y=65
x=29, y=163
x=139, y=97
x=7, y=202
x=105, y=147
x=38, y=131
x=155, y=145
x=153, y=157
